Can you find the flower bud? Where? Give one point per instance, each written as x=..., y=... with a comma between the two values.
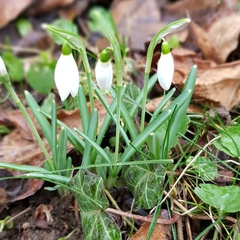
x=104, y=71
x=66, y=74
x=165, y=67
x=3, y=70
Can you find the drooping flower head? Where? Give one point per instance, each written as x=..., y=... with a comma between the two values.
x=3, y=70
x=165, y=66
x=66, y=74
x=104, y=71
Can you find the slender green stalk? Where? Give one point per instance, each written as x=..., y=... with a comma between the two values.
x=75, y=42
x=161, y=34
x=19, y=104
x=89, y=77
x=108, y=30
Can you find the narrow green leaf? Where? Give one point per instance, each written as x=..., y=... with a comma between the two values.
x=54, y=134
x=42, y=121
x=91, y=133
x=62, y=151
x=83, y=108
x=94, y=145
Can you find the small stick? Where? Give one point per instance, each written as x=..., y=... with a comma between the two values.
x=18, y=215
x=142, y=218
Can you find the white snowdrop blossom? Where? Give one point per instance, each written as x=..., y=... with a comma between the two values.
x=165, y=70
x=104, y=74
x=3, y=70
x=66, y=76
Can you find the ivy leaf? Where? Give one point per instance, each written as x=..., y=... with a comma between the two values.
x=88, y=191
x=229, y=140
x=220, y=197
x=99, y=226
x=206, y=168
x=145, y=183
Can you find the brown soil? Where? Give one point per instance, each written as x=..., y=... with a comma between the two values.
x=29, y=227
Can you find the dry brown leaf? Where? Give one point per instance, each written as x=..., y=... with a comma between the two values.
x=43, y=212
x=203, y=12
x=220, y=84
x=73, y=10
x=203, y=41
x=46, y=6
x=217, y=85
x=133, y=18
x=161, y=232
x=10, y=9
x=225, y=38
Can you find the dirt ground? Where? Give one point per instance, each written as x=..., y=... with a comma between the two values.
x=29, y=227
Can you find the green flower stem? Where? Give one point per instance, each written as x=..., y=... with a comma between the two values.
x=89, y=77
x=144, y=99
x=119, y=77
x=109, y=31
x=75, y=42
x=161, y=34
x=6, y=81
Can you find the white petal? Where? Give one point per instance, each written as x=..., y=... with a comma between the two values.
x=104, y=74
x=66, y=76
x=165, y=70
x=3, y=70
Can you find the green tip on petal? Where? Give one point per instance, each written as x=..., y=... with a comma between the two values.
x=66, y=49
x=105, y=55
x=165, y=48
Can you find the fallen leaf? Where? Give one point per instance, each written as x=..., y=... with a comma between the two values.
x=161, y=231
x=220, y=84
x=133, y=18
x=43, y=212
x=10, y=9
x=224, y=38
x=203, y=41
x=46, y=6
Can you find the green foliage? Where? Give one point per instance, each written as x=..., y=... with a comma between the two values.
x=5, y=224
x=23, y=26
x=145, y=183
x=130, y=95
x=88, y=190
x=204, y=167
x=40, y=77
x=159, y=139
x=64, y=25
x=4, y=129
x=229, y=141
x=220, y=197
x=14, y=66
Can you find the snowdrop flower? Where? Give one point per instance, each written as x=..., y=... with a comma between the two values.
x=165, y=67
x=3, y=70
x=66, y=74
x=104, y=71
